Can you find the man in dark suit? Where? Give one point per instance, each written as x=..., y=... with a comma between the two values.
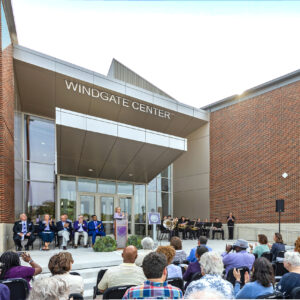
x=95, y=228
x=23, y=229
x=64, y=229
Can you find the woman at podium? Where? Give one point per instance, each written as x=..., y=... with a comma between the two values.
x=118, y=214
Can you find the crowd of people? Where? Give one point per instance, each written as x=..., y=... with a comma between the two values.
x=148, y=273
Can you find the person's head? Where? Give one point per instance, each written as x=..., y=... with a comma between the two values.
x=63, y=218
x=118, y=209
x=230, y=214
x=297, y=245
x=169, y=216
x=165, y=218
x=202, y=240
x=262, y=272
x=176, y=243
x=291, y=260
x=60, y=263
x=198, y=220
x=49, y=288
x=46, y=217
x=8, y=260
x=200, y=251
x=278, y=238
x=262, y=239
x=217, y=220
x=240, y=245
x=94, y=217
x=168, y=251
x=206, y=293
x=211, y=263
x=23, y=217
x=129, y=254
x=183, y=218
x=147, y=243
x=154, y=266
x=80, y=218
x=206, y=220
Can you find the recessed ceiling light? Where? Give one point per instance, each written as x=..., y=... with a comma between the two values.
x=91, y=170
x=43, y=143
x=130, y=174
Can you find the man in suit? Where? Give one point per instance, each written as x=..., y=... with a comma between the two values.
x=95, y=228
x=23, y=229
x=80, y=229
x=64, y=229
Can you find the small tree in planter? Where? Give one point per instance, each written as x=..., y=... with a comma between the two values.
x=105, y=244
x=134, y=240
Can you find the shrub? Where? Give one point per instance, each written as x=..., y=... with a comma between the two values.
x=134, y=240
x=105, y=244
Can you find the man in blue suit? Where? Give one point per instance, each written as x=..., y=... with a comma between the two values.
x=64, y=229
x=95, y=228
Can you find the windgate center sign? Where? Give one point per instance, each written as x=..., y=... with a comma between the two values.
x=117, y=100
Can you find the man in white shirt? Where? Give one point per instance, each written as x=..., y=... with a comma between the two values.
x=128, y=273
x=80, y=229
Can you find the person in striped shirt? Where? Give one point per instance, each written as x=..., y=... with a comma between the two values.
x=156, y=286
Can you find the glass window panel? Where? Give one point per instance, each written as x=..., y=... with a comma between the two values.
x=39, y=139
x=166, y=172
x=165, y=185
x=125, y=188
x=108, y=227
x=39, y=197
x=163, y=203
x=87, y=206
x=151, y=201
x=87, y=185
x=68, y=196
x=152, y=185
x=140, y=203
x=125, y=204
x=106, y=187
x=140, y=229
x=40, y=172
x=107, y=208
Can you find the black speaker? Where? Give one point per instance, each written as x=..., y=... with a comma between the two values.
x=280, y=205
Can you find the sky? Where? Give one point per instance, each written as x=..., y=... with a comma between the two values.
x=198, y=52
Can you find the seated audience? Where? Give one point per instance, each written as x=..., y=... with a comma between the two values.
x=239, y=258
x=23, y=229
x=47, y=231
x=49, y=288
x=297, y=245
x=128, y=273
x=262, y=247
x=277, y=247
x=4, y=292
x=80, y=229
x=202, y=241
x=11, y=266
x=194, y=267
x=95, y=228
x=206, y=294
x=262, y=280
x=292, y=279
x=169, y=252
x=148, y=245
x=211, y=269
x=156, y=286
x=60, y=265
x=180, y=255
x=217, y=227
x=64, y=229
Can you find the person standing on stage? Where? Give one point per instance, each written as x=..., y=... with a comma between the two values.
x=230, y=225
x=182, y=226
x=118, y=214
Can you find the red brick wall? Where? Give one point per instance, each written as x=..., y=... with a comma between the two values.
x=251, y=144
x=6, y=136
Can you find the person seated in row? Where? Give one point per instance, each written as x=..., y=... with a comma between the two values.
x=64, y=230
x=156, y=286
x=211, y=268
x=206, y=228
x=180, y=255
x=290, y=280
x=173, y=270
x=262, y=280
x=95, y=228
x=239, y=258
x=60, y=266
x=262, y=247
x=23, y=229
x=47, y=231
x=202, y=241
x=80, y=229
x=217, y=227
x=11, y=266
x=148, y=246
x=194, y=267
x=128, y=273
x=277, y=247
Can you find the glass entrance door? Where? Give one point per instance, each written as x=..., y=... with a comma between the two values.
x=107, y=212
x=87, y=206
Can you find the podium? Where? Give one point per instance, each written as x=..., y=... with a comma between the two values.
x=121, y=232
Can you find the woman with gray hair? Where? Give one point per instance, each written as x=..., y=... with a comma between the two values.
x=211, y=268
x=148, y=245
x=290, y=280
x=49, y=288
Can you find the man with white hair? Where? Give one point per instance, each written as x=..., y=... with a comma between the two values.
x=207, y=294
x=148, y=245
x=211, y=269
x=292, y=279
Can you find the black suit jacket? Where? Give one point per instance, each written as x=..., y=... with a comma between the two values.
x=18, y=227
x=59, y=226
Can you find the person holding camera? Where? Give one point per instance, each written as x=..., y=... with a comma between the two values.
x=239, y=258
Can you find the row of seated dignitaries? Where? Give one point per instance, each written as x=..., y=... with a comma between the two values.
x=48, y=229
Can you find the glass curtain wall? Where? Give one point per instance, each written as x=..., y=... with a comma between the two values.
x=39, y=166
